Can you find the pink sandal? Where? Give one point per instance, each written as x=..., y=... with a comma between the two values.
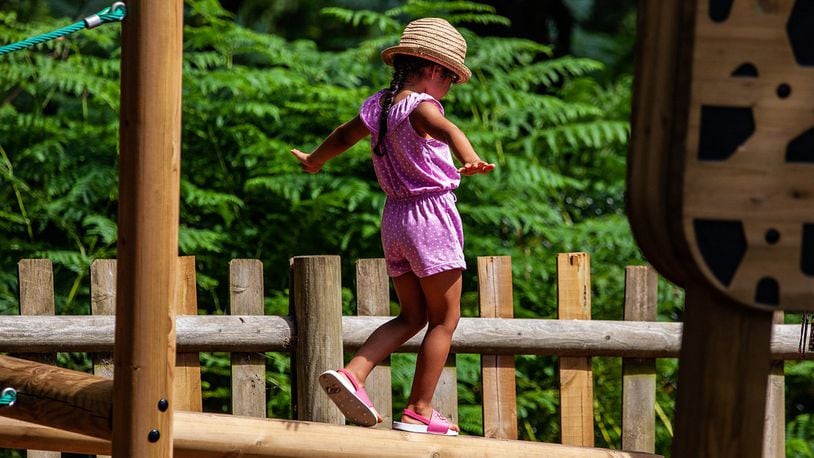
x=436, y=424
x=352, y=400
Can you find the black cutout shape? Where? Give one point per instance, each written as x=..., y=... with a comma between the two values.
x=772, y=236
x=807, y=250
x=719, y=9
x=800, y=30
x=801, y=149
x=722, y=244
x=746, y=69
x=723, y=130
x=783, y=90
x=767, y=291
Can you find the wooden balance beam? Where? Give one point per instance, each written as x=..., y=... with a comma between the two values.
x=65, y=410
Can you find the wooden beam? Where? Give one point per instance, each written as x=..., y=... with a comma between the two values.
x=248, y=369
x=147, y=249
x=521, y=336
x=576, y=374
x=497, y=371
x=204, y=435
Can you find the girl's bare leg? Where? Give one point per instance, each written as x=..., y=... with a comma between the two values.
x=442, y=293
x=391, y=335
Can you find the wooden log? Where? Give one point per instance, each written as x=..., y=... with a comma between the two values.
x=205, y=435
x=639, y=375
x=521, y=336
x=576, y=375
x=317, y=293
x=497, y=371
x=722, y=378
x=56, y=397
x=373, y=299
x=248, y=369
x=36, y=279
x=774, y=431
x=103, y=302
x=187, y=392
x=147, y=248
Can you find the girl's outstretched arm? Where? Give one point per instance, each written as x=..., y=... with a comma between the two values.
x=342, y=138
x=426, y=119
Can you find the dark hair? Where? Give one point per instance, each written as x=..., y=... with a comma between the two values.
x=404, y=65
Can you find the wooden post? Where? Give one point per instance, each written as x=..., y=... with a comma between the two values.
x=774, y=443
x=373, y=299
x=638, y=374
x=499, y=384
x=317, y=292
x=187, y=393
x=445, y=398
x=37, y=298
x=103, y=302
x=149, y=188
x=722, y=377
x=248, y=369
x=576, y=375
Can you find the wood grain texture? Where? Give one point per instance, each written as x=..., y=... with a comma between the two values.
x=317, y=294
x=774, y=430
x=576, y=375
x=373, y=299
x=639, y=375
x=248, y=369
x=497, y=371
x=187, y=392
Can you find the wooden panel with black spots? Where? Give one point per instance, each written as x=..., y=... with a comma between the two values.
x=748, y=182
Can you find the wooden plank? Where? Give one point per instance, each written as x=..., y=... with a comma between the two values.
x=187, y=394
x=497, y=371
x=148, y=213
x=317, y=297
x=373, y=299
x=103, y=302
x=722, y=377
x=37, y=298
x=639, y=375
x=576, y=375
x=520, y=336
x=248, y=369
x=206, y=435
x=774, y=431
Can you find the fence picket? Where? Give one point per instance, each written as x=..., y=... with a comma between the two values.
x=248, y=369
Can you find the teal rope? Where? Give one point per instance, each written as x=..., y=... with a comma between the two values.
x=8, y=397
x=114, y=13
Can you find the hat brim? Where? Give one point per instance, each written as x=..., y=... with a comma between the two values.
x=462, y=71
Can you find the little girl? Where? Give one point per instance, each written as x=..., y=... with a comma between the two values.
x=421, y=232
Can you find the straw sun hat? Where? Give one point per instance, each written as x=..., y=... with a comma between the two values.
x=433, y=39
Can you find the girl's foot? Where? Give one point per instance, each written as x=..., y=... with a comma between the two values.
x=433, y=423
x=351, y=398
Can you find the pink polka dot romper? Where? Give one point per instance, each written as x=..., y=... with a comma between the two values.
x=421, y=228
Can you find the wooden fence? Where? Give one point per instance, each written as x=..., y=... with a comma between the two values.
x=316, y=335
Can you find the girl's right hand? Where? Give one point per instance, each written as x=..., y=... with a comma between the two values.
x=308, y=165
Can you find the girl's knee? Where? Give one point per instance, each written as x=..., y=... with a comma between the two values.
x=414, y=321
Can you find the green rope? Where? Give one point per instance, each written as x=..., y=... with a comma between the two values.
x=113, y=13
x=8, y=397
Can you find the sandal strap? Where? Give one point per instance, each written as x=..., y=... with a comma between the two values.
x=360, y=392
x=437, y=423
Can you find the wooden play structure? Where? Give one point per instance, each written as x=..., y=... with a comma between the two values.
x=719, y=198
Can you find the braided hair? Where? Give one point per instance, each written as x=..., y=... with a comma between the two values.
x=403, y=66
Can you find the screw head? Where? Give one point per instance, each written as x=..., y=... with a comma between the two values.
x=153, y=435
x=163, y=405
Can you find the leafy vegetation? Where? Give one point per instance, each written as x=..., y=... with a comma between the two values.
x=557, y=128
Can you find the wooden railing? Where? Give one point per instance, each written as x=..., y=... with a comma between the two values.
x=317, y=335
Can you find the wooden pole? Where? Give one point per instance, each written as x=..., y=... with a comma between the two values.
x=317, y=292
x=499, y=385
x=206, y=435
x=576, y=375
x=639, y=375
x=722, y=378
x=774, y=443
x=36, y=279
x=248, y=369
x=373, y=299
x=147, y=250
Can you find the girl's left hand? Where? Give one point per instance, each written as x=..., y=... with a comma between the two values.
x=474, y=168
x=308, y=164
